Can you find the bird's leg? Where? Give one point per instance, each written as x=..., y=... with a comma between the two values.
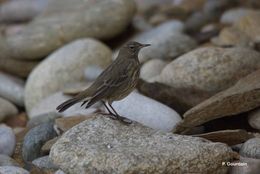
x=84, y=102
x=112, y=115
x=123, y=119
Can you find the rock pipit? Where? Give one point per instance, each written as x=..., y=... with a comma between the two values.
x=114, y=83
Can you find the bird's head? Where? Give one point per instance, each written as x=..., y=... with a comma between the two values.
x=133, y=47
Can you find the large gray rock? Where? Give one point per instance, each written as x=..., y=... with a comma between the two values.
x=102, y=145
x=205, y=71
x=64, y=21
x=7, y=109
x=147, y=111
x=167, y=42
x=12, y=89
x=66, y=65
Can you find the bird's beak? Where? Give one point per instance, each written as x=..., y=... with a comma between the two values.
x=146, y=45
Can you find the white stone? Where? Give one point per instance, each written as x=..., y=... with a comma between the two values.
x=147, y=111
x=64, y=66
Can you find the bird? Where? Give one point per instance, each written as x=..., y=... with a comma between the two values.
x=116, y=82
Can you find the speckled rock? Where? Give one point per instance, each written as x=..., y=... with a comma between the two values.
x=167, y=42
x=64, y=21
x=233, y=15
x=147, y=111
x=83, y=148
x=7, y=161
x=7, y=109
x=66, y=65
x=7, y=140
x=254, y=119
x=12, y=170
x=34, y=140
x=49, y=105
x=151, y=69
x=12, y=88
x=44, y=163
x=205, y=71
x=251, y=148
x=242, y=97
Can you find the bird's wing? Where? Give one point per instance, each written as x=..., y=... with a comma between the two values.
x=108, y=87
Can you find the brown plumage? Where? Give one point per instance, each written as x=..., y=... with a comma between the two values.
x=114, y=83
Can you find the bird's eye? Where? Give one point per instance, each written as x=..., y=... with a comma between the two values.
x=132, y=47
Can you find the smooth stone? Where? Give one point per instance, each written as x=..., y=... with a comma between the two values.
x=7, y=140
x=230, y=137
x=134, y=149
x=254, y=119
x=193, y=73
x=7, y=109
x=64, y=21
x=251, y=148
x=247, y=166
x=12, y=89
x=12, y=170
x=152, y=68
x=167, y=42
x=13, y=66
x=242, y=97
x=233, y=15
x=21, y=11
x=66, y=65
x=231, y=36
x=147, y=111
x=7, y=161
x=250, y=25
x=44, y=163
x=35, y=139
x=43, y=118
x=92, y=72
x=17, y=67
x=49, y=105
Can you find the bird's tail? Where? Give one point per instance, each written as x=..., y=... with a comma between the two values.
x=65, y=105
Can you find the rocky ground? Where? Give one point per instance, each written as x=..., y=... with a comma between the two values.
x=196, y=108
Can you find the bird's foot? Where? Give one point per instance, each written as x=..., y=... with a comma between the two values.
x=124, y=120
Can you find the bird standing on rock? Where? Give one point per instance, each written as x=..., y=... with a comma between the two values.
x=114, y=83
